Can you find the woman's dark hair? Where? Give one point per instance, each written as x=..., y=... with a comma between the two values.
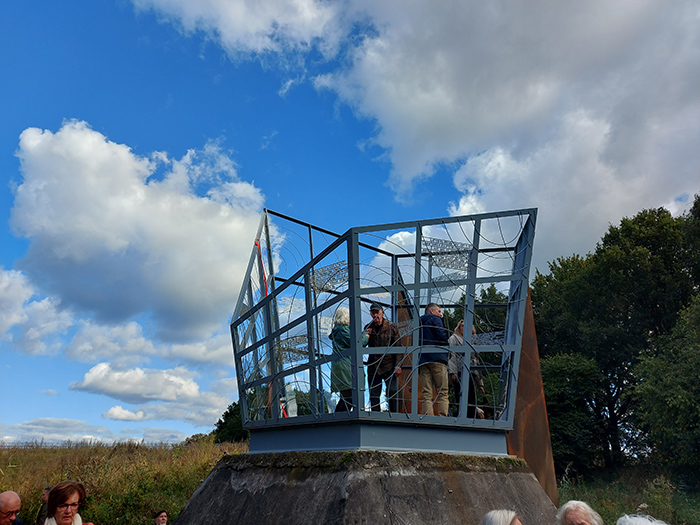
x=61, y=492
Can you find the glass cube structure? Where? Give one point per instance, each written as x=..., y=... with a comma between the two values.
x=474, y=267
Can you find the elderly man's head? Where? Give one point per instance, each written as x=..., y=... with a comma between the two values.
x=578, y=513
x=9, y=507
x=433, y=308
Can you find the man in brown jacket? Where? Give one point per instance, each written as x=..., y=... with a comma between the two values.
x=382, y=367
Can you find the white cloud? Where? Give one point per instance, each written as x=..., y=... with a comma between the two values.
x=139, y=385
x=446, y=82
x=256, y=27
x=122, y=414
x=452, y=82
x=108, y=237
x=579, y=192
x=95, y=342
x=45, y=323
x=15, y=290
x=125, y=345
x=56, y=430
x=217, y=350
x=49, y=430
x=32, y=326
x=159, y=394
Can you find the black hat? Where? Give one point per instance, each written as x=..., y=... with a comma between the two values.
x=375, y=307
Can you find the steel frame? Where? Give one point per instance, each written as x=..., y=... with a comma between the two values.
x=281, y=352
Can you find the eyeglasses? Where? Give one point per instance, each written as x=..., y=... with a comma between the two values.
x=65, y=506
x=14, y=513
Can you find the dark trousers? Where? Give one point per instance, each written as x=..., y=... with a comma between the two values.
x=375, y=389
x=457, y=389
x=345, y=401
x=471, y=395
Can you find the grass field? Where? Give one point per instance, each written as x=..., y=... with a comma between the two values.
x=128, y=482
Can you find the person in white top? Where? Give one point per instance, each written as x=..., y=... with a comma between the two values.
x=64, y=501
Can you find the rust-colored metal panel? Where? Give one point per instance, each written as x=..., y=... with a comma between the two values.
x=529, y=438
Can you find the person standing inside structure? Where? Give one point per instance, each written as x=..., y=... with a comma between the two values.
x=382, y=368
x=455, y=374
x=434, y=355
x=341, y=369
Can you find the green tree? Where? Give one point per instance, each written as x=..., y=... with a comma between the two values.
x=229, y=427
x=570, y=382
x=611, y=306
x=489, y=311
x=669, y=392
x=691, y=235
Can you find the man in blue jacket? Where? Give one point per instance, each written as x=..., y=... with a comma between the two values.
x=434, y=355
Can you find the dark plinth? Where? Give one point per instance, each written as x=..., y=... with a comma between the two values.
x=373, y=487
x=351, y=435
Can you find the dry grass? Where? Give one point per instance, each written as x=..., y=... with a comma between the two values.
x=125, y=482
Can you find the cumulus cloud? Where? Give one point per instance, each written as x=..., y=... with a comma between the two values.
x=15, y=290
x=448, y=82
x=458, y=85
x=158, y=394
x=139, y=385
x=256, y=27
x=94, y=342
x=109, y=236
x=49, y=430
x=33, y=326
x=575, y=209
x=122, y=414
x=56, y=430
x=217, y=350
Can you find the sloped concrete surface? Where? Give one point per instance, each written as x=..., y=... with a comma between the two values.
x=372, y=487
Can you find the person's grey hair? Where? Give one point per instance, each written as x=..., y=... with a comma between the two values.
x=499, y=517
x=430, y=307
x=593, y=516
x=639, y=519
x=341, y=316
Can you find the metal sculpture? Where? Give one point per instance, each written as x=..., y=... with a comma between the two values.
x=476, y=267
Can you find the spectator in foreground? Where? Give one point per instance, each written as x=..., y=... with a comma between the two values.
x=578, y=513
x=639, y=519
x=501, y=517
x=64, y=501
x=161, y=518
x=44, y=510
x=9, y=508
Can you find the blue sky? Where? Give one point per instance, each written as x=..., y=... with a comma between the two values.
x=140, y=140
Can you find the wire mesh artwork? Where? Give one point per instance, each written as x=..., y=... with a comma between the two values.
x=291, y=368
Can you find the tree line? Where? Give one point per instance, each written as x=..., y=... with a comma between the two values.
x=619, y=339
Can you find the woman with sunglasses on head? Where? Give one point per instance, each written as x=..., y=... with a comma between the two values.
x=64, y=501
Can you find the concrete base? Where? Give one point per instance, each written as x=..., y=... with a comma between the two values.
x=372, y=487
